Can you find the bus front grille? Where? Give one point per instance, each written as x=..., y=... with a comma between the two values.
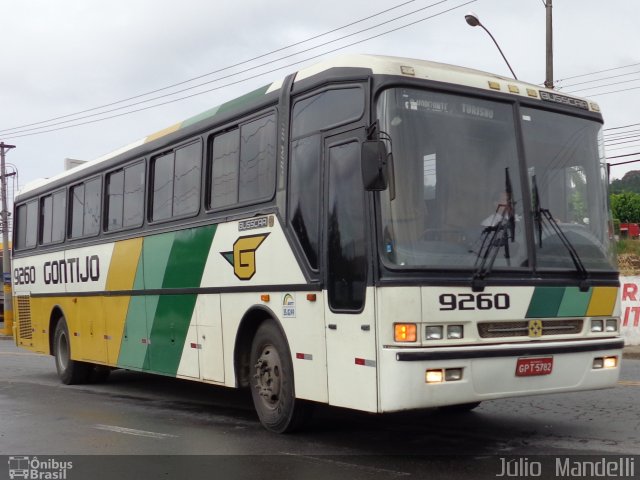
x=563, y=326
x=25, y=329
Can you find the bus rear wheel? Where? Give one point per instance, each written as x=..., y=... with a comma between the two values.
x=69, y=371
x=272, y=387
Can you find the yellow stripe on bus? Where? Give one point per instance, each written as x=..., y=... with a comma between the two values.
x=602, y=301
x=122, y=274
x=124, y=263
x=162, y=133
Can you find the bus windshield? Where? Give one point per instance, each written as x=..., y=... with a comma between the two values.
x=457, y=176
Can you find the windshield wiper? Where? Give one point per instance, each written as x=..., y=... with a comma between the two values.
x=543, y=214
x=494, y=236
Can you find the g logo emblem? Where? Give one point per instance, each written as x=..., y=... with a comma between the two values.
x=535, y=328
x=243, y=256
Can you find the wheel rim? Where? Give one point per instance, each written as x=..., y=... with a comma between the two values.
x=269, y=377
x=62, y=350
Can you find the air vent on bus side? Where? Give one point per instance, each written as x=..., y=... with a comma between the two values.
x=25, y=330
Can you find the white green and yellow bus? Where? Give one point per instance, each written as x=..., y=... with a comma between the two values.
x=374, y=233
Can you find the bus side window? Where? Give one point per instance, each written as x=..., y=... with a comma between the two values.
x=27, y=231
x=346, y=257
x=176, y=182
x=242, y=165
x=52, y=217
x=304, y=195
x=224, y=169
x=86, y=199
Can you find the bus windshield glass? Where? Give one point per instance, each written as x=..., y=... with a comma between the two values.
x=457, y=179
x=566, y=156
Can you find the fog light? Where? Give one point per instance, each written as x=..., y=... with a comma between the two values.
x=612, y=325
x=404, y=332
x=597, y=325
x=433, y=376
x=610, y=362
x=598, y=363
x=434, y=332
x=455, y=332
x=453, y=374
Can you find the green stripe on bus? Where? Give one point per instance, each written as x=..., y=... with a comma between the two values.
x=156, y=325
x=574, y=302
x=241, y=101
x=155, y=252
x=172, y=315
x=545, y=302
x=133, y=347
x=188, y=256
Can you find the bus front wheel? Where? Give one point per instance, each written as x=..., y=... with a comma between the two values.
x=69, y=371
x=272, y=387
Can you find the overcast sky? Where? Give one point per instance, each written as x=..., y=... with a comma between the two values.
x=66, y=56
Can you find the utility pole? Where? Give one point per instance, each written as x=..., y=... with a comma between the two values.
x=6, y=251
x=549, y=79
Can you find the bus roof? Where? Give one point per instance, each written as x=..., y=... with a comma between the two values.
x=376, y=64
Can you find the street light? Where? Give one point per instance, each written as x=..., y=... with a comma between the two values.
x=473, y=20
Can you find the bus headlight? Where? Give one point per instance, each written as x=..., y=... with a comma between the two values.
x=434, y=376
x=455, y=332
x=597, y=326
x=434, y=332
x=612, y=325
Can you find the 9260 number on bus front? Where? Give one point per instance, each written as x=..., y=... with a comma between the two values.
x=470, y=301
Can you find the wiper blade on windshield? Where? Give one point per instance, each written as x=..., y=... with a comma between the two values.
x=496, y=235
x=540, y=215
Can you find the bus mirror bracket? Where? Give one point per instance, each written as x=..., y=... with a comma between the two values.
x=375, y=175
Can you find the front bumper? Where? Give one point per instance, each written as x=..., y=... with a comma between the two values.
x=489, y=372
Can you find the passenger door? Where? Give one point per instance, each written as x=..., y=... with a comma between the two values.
x=349, y=304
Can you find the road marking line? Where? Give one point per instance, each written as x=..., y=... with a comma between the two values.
x=628, y=383
x=133, y=431
x=22, y=353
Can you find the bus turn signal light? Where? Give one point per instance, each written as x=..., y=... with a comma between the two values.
x=405, y=332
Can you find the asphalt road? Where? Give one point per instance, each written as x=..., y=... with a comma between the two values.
x=138, y=414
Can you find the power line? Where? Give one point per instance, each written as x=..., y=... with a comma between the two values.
x=617, y=134
x=600, y=79
x=609, y=141
x=15, y=135
x=614, y=91
x=604, y=85
x=621, y=126
x=622, y=156
x=624, y=163
x=595, y=73
x=244, y=62
x=622, y=148
x=613, y=142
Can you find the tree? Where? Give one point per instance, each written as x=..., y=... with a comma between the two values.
x=626, y=206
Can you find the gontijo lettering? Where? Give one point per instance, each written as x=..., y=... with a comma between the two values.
x=70, y=270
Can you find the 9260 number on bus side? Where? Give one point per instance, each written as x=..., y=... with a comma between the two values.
x=471, y=301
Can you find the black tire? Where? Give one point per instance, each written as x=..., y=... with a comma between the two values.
x=272, y=385
x=461, y=408
x=70, y=371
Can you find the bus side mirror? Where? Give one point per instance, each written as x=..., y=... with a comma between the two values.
x=375, y=174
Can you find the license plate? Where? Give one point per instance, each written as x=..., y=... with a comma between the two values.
x=527, y=367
